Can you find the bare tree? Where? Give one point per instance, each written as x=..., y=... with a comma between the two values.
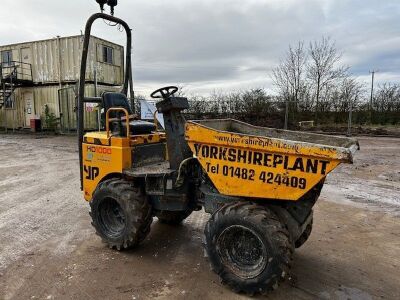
x=289, y=79
x=351, y=92
x=288, y=76
x=181, y=90
x=386, y=104
x=322, y=68
x=387, y=98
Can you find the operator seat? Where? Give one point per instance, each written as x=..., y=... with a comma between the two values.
x=119, y=100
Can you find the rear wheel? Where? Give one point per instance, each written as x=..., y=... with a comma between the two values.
x=173, y=217
x=248, y=247
x=120, y=213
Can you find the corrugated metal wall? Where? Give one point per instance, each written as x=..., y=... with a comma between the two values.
x=48, y=95
x=58, y=60
x=48, y=57
x=67, y=104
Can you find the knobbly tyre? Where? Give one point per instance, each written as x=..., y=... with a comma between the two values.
x=258, y=184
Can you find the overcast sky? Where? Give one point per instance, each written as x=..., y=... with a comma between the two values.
x=221, y=45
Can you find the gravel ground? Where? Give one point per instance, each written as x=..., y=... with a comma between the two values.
x=48, y=249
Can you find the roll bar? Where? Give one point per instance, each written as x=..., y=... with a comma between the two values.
x=82, y=79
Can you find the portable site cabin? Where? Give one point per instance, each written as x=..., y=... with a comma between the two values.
x=40, y=73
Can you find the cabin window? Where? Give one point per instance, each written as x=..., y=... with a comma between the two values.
x=6, y=57
x=108, y=55
x=9, y=102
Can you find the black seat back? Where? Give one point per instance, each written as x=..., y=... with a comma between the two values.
x=118, y=100
x=115, y=100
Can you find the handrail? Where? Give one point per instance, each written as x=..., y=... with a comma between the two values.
x=128, y=134
x=15, y=68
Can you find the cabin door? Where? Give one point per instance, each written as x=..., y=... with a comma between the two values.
x=29, y=108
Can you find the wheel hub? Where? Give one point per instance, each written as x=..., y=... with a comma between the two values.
x=242, y=251
x=111, y=218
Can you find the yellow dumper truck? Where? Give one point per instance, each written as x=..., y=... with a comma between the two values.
x=258, y=184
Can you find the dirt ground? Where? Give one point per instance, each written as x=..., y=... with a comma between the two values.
x=48, y=249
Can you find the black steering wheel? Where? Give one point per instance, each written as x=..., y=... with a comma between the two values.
x=164, y=92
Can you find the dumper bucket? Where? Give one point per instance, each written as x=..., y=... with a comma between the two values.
x=258, y=162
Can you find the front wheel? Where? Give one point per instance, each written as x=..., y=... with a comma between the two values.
x=120, y=213
x=248, y=247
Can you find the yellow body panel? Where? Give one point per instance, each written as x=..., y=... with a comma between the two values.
x=261, y=167
x=103, y=156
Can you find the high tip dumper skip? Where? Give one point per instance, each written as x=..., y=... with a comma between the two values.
x=258, y=184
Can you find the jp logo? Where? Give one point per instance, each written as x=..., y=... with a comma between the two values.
x=92, y=172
